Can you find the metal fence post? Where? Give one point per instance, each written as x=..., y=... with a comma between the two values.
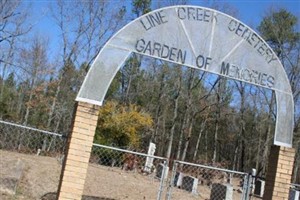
x=248, y=185
x=245, y=187
x=162, y=179
x=171, y=182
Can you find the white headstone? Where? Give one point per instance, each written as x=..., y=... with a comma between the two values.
x=229, y=192
x=294, y=195
x=259, y=187
x=159, y=171
x=149, y=160
x=178, y=179
x=221, y=192
x=190, y=184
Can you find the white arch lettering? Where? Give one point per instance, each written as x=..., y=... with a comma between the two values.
x=200, y=38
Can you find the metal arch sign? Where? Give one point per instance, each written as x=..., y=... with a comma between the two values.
x=200, y=38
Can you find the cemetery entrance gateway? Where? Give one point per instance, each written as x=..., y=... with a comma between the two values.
x=191, y=36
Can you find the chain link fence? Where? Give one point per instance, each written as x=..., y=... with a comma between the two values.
x=23, y=139
x=30, y=164
x=30, y=161
x=123, y=174
x=208, y=182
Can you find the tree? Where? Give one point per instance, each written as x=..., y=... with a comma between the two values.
x=131, y=73
x=278, y=28
x=176, y=94
x=84, y=26
x=34, y=60
x=122, y=126
x=7, y=102
x=222, y=99
x=13, y=26
x=141, y=7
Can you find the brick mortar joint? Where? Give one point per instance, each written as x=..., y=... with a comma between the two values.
x=81, y=113
x=88, y=110
x=288, y=150
x=84, y=109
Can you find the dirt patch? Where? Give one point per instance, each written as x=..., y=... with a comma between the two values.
x=52, y=196
x=41, y=177
x=41, y=174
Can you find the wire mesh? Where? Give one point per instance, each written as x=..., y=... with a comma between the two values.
x=207, y=182
x=124, y=174
x=23, y=139
x=113, y=173
x=23, y=174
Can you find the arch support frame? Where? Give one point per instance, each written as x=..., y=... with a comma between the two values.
x=191, y=36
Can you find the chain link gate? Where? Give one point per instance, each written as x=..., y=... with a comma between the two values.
x=125, y=174
x=208, y=182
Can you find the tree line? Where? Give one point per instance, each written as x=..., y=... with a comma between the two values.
x=189, y=114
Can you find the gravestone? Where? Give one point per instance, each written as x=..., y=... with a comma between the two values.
x=10, y=175
x=294, y=195
x=221, y=192
x=159, y=171
x=149, y=160
x=190, y=184
x=178, y=179
x=259, y=187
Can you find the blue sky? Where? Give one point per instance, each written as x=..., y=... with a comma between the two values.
x=250, y=12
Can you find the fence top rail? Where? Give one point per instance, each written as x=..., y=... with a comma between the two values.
x=30, y=128
x=210, y=167
x=128, y=151
x=297, y=186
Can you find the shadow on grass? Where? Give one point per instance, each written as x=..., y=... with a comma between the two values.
x=52, y=196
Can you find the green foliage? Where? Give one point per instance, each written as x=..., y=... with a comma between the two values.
x=279, y=28
x=141, y=7
x=121, y=125
x=7, y=96
x=114, y=88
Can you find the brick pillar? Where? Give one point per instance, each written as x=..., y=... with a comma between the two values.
x=279, y=174
x=79, y=148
